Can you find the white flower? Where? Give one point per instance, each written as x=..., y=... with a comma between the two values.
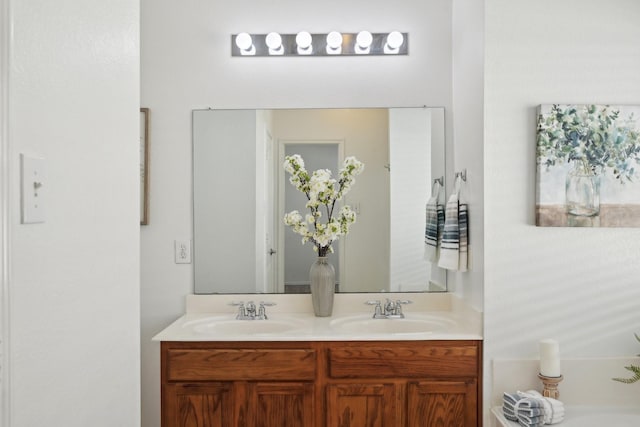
x=293, y=163
x=322, y=191
x=293, y=218
x=322, y=187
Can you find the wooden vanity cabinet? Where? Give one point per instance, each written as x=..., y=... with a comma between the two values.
x=321, y=384
x=403, y=384
x=219, y=384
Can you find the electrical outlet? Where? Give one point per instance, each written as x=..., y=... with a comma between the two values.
x=183, y=251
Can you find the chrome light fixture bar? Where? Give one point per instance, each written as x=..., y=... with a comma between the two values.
x=331, y=44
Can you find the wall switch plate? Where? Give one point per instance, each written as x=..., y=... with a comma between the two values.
x=182, y=251
x=33, y=189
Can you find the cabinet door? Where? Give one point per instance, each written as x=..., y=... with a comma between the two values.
x=363, y=405
x=280, y=404
x=195, y=405
x=442, y=404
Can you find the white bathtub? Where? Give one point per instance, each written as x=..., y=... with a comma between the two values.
x=587, y=416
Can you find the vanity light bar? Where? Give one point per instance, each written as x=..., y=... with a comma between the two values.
x=331, y=44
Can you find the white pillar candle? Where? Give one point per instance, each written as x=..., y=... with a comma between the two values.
x=549, y=358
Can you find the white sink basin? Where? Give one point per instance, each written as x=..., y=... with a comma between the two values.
x=226, y=326
x=411, y=324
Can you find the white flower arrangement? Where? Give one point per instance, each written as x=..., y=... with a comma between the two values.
x=322, y=193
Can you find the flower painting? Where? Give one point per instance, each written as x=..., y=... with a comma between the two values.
x=588, y=165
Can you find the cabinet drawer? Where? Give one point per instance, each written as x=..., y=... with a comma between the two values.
x=240, y=364
x=404, y=359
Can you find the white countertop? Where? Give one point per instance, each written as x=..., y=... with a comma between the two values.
x=211, y=318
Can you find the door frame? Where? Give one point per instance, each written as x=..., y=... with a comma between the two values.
x=5, y=57
x=270, y=250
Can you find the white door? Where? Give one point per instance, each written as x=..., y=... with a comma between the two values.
x=271, y=241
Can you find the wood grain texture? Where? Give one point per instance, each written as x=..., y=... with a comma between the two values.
x=407, y=360
x=198, y=405
x=241, y=364
x=282, y=404
x=442, y=404
x=322, y=384
x=362, y=405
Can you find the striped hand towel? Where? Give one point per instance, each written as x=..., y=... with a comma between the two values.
x=509, y=401
x=463, y=225
x=433, y=229
x=450, y=247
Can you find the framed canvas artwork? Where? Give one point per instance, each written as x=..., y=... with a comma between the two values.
x=588, y=166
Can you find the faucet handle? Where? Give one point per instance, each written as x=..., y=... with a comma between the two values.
x=399, y=304
x=262, y=314
x=378, y=309
x=239, y=304
x=242, y=311
x=267, y=303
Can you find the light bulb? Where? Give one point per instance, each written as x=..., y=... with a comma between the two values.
x=334, y=40
x=273, y=40
x=244, y=41
x=364, y=39
x=274, y=43
x=395, y=40
x=303, y=40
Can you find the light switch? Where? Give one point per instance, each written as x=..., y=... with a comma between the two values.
x=33, y=189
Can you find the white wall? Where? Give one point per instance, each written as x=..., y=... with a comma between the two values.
x=580, y=282
x=577, y=285
x=74, y=295
x=5, y=35
x=468, y=129
x=186, y=64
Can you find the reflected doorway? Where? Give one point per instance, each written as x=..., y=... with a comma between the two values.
x=298, y=258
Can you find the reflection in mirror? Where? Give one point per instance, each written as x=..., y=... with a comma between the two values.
x=240, y=195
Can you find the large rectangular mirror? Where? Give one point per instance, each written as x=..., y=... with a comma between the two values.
x=240, y=195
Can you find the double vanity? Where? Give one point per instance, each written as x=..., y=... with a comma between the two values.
x=224, y=364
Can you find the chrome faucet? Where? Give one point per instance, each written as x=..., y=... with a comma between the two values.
x=248, y=311
x=390, y=310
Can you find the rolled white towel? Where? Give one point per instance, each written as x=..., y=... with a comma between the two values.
x=530, y=421
x=553, y=408
x=531, y=412
x=509, y=414
x=509, y=401
x=535, y=393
